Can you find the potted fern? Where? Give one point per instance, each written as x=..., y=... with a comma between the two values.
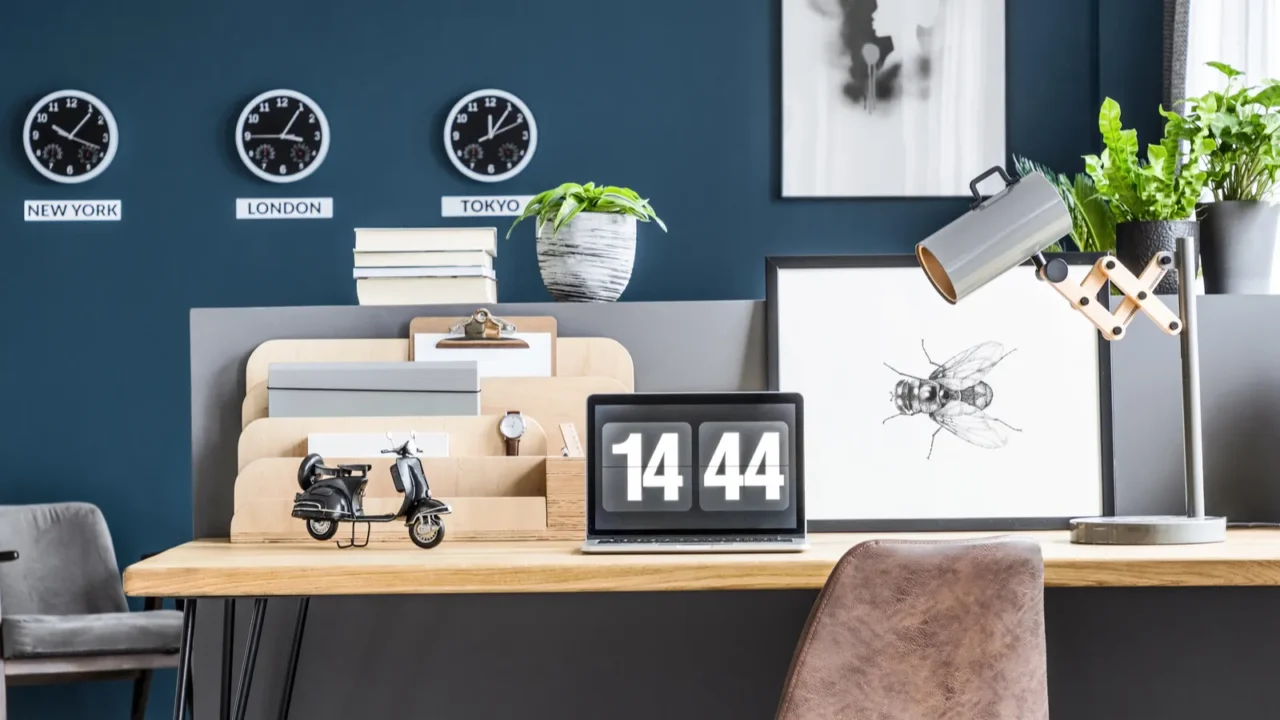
x=587, y=239
x=1153, y=200
x=1238, y=229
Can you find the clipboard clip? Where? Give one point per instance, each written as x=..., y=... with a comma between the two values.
x=482, y=330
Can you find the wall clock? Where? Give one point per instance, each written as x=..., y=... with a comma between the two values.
x=282, y=136
x=490, y=135
x=70, y=136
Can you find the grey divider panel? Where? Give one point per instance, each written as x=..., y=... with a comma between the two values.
x=675, y=346
x=1240, y=397
x=1113, y=653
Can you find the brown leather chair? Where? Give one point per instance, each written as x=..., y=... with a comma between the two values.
x=925, y=630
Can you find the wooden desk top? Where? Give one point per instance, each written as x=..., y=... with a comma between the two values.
x=216, y=568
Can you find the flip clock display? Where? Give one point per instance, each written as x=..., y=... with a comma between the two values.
x=728, y=465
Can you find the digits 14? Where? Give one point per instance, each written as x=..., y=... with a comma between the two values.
x=762, y=471
x=666, y=454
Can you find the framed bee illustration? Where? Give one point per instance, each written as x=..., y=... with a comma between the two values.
x=991, y=415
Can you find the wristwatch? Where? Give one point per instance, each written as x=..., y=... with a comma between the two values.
x=512, y=429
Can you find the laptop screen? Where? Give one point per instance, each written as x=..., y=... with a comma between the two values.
x=695, y=463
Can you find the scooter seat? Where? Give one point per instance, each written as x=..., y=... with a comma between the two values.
x=356, y=468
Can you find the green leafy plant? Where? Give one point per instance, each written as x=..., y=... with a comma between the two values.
x=1243, y=123
x=561, y=204
x=1093, y=227
x=1159, y=188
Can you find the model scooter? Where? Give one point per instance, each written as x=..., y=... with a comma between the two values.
x=331, y=495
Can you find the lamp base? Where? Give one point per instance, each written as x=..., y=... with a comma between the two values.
x=1148, y=530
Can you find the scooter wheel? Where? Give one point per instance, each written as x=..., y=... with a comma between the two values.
x=427, y=532
x=322, y=529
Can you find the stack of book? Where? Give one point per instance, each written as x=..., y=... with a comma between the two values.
x=425, y=266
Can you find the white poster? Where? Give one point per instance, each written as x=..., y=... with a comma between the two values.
x=918, y=409
x=891, y=98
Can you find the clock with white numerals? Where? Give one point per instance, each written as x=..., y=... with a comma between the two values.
x=70, y=136
x=490, y=135
x=282, y=136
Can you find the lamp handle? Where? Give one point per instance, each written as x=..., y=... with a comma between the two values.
x=973, y=184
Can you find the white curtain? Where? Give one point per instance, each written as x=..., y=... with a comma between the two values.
x=1244, y=34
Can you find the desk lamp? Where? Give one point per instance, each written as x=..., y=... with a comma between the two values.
x=1016, y=225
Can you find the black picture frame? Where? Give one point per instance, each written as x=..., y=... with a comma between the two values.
x=775, y=264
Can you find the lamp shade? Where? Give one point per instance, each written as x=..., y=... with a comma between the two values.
x=996, y=235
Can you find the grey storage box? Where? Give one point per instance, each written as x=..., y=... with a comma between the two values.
x=394, y=389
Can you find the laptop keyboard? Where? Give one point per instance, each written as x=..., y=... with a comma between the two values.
x=696, y=540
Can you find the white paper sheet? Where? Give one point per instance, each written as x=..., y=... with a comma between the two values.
x=535, y=361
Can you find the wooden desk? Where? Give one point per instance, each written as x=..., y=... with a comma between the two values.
x=213, y=568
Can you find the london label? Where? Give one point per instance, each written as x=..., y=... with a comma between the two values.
x=70, y=210
x=483, y=206
x=284, y=208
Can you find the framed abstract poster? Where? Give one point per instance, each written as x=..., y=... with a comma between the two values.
x=992, y=414
x=891, y=98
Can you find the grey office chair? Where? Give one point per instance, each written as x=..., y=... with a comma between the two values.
x=63, y=615
x=945, y=630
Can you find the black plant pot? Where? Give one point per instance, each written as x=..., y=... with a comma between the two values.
x=1238, y=244
x=1138, y=242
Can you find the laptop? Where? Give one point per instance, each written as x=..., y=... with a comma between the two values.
x=695, y=472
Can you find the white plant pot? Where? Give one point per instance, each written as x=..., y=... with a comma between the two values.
x=590, y=259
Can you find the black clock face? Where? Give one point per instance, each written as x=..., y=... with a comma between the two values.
x=282, y=136
x=70, y=136
x=490, y=136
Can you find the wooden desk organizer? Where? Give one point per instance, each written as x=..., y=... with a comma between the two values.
x=494, y=497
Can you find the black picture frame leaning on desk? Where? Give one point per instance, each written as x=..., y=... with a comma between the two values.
x=956, y=483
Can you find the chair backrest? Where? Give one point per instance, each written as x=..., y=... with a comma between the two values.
x=945, y=630
x=65, y=565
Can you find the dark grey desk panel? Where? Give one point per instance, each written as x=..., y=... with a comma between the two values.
x=675, y=346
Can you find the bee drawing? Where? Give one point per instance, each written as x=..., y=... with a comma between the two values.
x=955, y=396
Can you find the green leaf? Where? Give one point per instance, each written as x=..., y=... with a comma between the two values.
x=1225, y=69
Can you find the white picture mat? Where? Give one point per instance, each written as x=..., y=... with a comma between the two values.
x=371, y=445
x=534, y=361
x=858, y=467
x=921, y=143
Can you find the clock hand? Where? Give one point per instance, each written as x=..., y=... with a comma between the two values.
x=493, y=132
x=490, y=119
x=294, y=138
x=61, y=132
x=295, y=117
x=502, y=130
x=82, y=142
x=82, y=122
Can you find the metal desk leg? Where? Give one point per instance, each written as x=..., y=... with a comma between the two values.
x=250, y=656
x=292, y=672
x=183, y=687
x=228, y=648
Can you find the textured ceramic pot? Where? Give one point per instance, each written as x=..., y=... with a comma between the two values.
x=1138, y=242
x=1237, y=245
x=590, y=259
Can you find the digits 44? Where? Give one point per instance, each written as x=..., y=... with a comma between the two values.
x=763, y=470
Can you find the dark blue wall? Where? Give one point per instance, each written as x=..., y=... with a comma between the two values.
x=676, y=98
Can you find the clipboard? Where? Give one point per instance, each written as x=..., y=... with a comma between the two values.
x=488, y=331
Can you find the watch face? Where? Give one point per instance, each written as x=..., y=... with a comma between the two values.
x=70, y=136
x=282, y=136
x=490, y=135
x=511, y=426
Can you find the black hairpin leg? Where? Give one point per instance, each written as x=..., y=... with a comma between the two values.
x=182, y=691
x=292, y=671
x=228, y=649
x=250, y=656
